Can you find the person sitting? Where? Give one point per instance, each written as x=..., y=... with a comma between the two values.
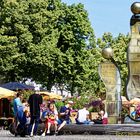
x=99, y=118
x=83, y=116
x=137, y=114
x=102, y=118
x=65, y=115
x=51, y=118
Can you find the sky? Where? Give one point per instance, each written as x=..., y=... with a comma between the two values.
x=107, y=15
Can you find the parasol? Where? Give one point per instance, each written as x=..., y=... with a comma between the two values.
x=48, y=95
x=6, y=93
x=135, y=101
x=17, y=86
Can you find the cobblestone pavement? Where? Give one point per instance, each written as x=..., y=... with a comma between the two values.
x=6, y=135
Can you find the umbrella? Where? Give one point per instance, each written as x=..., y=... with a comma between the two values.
x=6, y=93
x=16, y=86
x=47, y=95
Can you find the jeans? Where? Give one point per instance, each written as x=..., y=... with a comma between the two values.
x=84, y=122
x=20, y=114
x=34, y=119
x=59, y=121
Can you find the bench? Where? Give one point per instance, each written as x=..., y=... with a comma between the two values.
x=93, y=129
x=101, y=129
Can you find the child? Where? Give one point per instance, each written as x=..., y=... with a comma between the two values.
x=52, y=116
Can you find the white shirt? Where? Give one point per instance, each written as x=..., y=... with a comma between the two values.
x=82, y=114
x=56, y=114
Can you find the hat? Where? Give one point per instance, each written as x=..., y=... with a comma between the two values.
x=70, y=102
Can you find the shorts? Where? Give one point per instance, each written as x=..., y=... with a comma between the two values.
x=52, y=121
x=60, y=121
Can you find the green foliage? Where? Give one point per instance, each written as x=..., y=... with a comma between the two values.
x=124, y=111
x=48, y=45
x=94, y=109
x=26, y=93
x=59, y=104
x=84, y=99
x=80, y=101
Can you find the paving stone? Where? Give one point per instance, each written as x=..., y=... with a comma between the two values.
x=6, y=135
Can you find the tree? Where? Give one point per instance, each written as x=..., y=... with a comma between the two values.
x=50, y=41
x=74, y=35
x=10, y=56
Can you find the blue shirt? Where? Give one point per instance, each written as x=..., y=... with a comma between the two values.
x=17, y=103
x=66, y=110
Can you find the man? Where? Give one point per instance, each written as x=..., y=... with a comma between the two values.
x=35, y=100
x=83, y=116
x=65, y=114
x=18, y=110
